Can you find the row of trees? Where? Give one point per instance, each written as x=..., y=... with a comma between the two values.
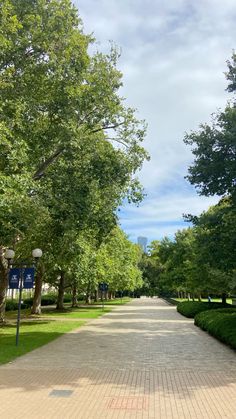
x=69, y=151
x=202, y=258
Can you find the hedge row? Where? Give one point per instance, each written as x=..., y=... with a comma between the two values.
x=219, y=323
x=46, y=300
x=192, y=308
x=13, y=305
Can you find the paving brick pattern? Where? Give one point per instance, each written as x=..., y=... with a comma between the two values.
x=141, y=361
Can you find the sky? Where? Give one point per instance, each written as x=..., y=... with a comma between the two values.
x=173, y=59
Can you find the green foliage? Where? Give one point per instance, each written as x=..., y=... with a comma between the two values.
x=70, y=147
x=191, y=308
x=117, y=262
x=219, y=323
x=215, y=246
x=46, y=300
x=12, y=305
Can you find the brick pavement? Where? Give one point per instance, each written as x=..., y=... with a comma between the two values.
x=140, y=361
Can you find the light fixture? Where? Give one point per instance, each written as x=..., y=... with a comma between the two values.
x=9, y=254
x=37, y=253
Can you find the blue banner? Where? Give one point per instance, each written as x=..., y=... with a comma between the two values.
x=14, y=278
x=103, y=286
x=28, y=278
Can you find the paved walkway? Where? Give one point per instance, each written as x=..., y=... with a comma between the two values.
x=141, y=361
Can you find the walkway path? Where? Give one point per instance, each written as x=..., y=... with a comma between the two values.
x=141, y=361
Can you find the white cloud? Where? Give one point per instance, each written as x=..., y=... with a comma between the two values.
x=173, y=58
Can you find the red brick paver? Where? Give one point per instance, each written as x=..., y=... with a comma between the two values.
x=141, y=361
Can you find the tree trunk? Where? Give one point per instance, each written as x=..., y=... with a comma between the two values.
x=88, y=298
x=88, y=294
x=224, y=296
x=96, y=296
x=199, y=297
x=74, y=295
x=36, y=307
x=3, y=286
x=61, y=291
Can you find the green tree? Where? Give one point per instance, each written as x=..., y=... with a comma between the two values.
x=58, y=106
x=117, y=262
x=215, y=238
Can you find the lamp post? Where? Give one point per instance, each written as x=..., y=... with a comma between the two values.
x=21, y=277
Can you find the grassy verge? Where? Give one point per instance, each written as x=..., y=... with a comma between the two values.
x=116, y=302
x=77, y=313
x=204, y=300
x=33, y=334
x=219, y=323
x=191, y=308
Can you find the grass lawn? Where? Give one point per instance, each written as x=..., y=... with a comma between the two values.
x=116, y=302
x=214, y=300
x=77, y=313
x=33, y=334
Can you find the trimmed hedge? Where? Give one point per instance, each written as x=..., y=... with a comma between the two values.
x=12, y=305
x=191, y=308
x=47, y=300
x=219, y=323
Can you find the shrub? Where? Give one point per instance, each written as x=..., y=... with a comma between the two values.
x=28, y=302
x=12, y=305
x=191, y=308
x=67, y=298
x=46, y=300
x=219, y=323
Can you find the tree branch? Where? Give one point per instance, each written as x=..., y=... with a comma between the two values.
x=118, y=141
x=41, y=170
x=107, y=127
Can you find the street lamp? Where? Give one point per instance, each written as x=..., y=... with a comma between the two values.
x=21, y=277
x=37, y=253
x=9, y=255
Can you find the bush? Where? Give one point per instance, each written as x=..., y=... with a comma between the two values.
x=67, y=298
x=219, y=323
x=12, y=305
x=47, y=300
x=28, y=302
x=191, y=308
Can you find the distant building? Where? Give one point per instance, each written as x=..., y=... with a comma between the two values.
x=142, y=241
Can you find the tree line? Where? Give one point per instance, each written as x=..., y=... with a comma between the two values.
x=201, y=259
x=70, y=148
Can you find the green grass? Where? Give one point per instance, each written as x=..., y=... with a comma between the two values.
x=116, y=302
x=219, y=323
x=33, y=334
x=205, y=300
x=36, y=333
x=77, y=313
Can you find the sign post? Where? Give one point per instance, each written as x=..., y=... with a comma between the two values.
x=103, y=287
x=20, y=278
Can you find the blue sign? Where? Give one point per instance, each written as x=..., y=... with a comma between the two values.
x=103, y=286
x=14, y=278
x=28, y=278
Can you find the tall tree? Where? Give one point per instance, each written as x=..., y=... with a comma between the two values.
x=58, y=106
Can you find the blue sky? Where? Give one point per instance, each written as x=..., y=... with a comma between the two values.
x=173, y=62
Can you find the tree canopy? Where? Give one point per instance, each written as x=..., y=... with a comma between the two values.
x=70, y=147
